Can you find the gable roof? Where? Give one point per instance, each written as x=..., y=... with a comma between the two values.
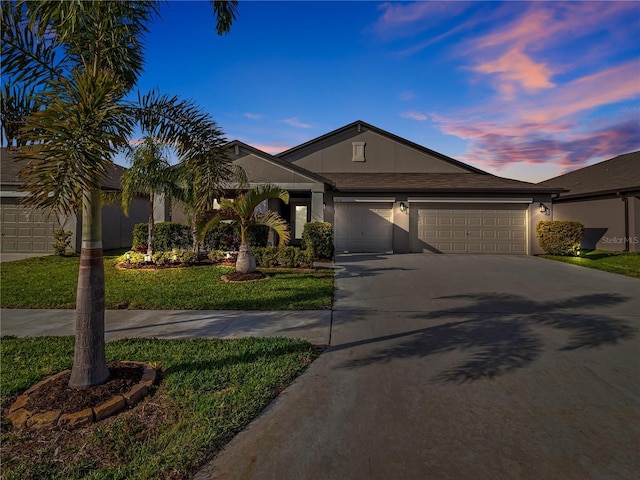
x=384, y=133
x=11, y=165
x=617, y=175
x=278, y=161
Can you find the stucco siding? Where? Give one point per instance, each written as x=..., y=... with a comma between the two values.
x=382, y=155
x=604, y=221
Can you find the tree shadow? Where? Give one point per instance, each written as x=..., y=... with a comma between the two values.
x=498, y=333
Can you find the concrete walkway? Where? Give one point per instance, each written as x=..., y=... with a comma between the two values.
x=460, y=367
x=312, y=325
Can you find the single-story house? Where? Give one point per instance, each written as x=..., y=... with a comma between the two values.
x=384, y=193
x=605, y=198
x=27, y=230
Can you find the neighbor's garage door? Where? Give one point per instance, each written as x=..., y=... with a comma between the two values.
x=24, y=230
x=363, y=227
x=481, y=228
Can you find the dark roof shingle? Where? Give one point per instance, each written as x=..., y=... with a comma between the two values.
x=619, y=174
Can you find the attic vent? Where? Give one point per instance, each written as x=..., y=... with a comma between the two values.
x=358, y=151
x=236, y=150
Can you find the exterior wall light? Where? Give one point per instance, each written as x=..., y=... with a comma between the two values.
x=147, y=258
x=544, y=209
x=403, y=207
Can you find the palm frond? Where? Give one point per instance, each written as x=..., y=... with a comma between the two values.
x=276, y=223
x=225, y=12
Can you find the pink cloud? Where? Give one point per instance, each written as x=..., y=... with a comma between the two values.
x=271, y=149
x=514, y=69
x=254, y=116
x=421, y=117
x=407, y=95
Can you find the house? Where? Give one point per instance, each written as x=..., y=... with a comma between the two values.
x=605, y=198
x=25, y=230
x=383, y=193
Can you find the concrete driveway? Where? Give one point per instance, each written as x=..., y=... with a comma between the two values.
x=460, y=367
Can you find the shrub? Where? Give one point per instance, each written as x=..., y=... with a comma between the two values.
x=304, y=258
x=286, y=257
x=62, y=241
x=226, y=236
x=266, y=256
x=560, y=237
x=318, y=237
x=216, y=255
x=166, y=236
x=162, y=258
x=131, y=257
x=187, y=257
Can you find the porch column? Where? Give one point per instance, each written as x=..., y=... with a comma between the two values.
x=317, y=206
x=160, y=208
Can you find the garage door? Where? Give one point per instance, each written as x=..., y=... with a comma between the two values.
x=481, y=228
x=24, y=230
x=363, y=227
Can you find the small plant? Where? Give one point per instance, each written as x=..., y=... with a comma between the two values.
x=216, y=255
x=318, y=237
x=560, y=237
x=187, y=257
x=62, y=241
x=131, y=257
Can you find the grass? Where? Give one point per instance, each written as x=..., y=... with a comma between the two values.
x=51, y=281
x=209, y=391
x=623, y=263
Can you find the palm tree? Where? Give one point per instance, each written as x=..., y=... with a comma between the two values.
x=150, y=173
x=242, y=211
x=79, y=60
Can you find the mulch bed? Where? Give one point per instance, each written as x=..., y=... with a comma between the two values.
x=243, y=277
x=57, y=395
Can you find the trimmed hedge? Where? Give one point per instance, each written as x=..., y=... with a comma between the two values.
x=166, y=236
x=287, y=257
x=226, y=236
x=318, y=237
x=560, y=237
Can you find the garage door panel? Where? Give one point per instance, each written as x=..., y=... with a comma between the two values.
x=466, y=229
x=25, y=230
x=363, y=227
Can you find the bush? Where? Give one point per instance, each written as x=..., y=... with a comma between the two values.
x=318, y=237
x=187, y=257
x=131, y=257
x=560, y=237
x=304, y=258
x=226, y=236
x=166, y=236
x=216, y=255
x=286, y=257
x=62, y=241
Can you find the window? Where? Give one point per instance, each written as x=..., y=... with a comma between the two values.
x=358, y=151
x=301, y=218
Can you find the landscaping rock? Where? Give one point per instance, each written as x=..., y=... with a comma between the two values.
x=76, y=419
x=19, y=418
x=109, y=408
x=43, y=420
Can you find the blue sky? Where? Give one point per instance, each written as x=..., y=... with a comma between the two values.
x=526, y=90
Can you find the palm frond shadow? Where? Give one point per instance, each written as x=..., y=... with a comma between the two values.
x=496, y=334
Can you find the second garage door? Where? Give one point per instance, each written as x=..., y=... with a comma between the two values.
x=26, y=230
x=481, y=228
x=363, y=227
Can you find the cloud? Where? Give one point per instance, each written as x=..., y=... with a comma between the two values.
x=295, y=122
x=516, y=69
x=405, y=19
x=407, y=95
x=254, y=116
x=421, y=117
x=271, y=149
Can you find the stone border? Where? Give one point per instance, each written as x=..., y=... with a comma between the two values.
x=21, y=418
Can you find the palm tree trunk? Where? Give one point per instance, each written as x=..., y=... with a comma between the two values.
x=194, y=234
x=89, y=361
x=151, y=226
x=246, y=261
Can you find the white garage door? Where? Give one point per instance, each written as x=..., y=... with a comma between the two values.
x=24, y=230
x=481, y=228
x=363, y=227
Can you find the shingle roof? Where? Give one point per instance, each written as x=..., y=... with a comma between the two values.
x=433, y=182
x=619, y=174
x=10, y=167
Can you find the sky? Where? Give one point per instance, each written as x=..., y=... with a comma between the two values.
x=524, y=90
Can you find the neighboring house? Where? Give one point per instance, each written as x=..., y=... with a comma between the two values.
x=25, y=230
x=605, y=198
x=383, y=193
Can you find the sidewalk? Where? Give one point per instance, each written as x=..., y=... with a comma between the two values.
x=313, y=326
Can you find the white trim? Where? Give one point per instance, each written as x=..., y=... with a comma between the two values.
x=12, y=194
x=364, y=199
x=468, y=200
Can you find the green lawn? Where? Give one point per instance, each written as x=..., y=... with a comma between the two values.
x=624, y=263
x=208, y=392
x=50, y=282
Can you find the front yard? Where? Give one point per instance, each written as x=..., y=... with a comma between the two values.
x=50, y=282
x=624, y=263
x=209, y=391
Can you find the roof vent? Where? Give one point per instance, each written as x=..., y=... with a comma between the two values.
x=358, y=151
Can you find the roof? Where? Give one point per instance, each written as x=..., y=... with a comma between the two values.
x=278, y=161
x=389, y=135
x=434, y=183
x=618, y=175
x=10, y=167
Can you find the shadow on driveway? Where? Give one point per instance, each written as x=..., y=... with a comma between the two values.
x=498, y=333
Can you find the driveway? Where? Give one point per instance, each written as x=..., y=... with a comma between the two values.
x=460, y=367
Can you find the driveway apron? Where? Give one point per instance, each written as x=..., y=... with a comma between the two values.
x=460, y=367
